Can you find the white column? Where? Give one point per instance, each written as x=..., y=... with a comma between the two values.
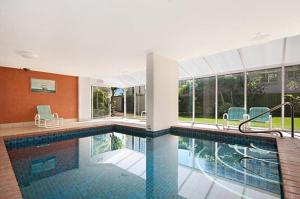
x=162, y=92
x=84, y=99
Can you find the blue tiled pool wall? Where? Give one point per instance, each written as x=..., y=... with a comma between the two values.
x=37, y=165
x=55, y=137
x=139, y=132
x=60, y=136
x=242, y=140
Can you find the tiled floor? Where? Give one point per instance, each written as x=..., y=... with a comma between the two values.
x=8, y=183
x=289, y=153
x=289, y=157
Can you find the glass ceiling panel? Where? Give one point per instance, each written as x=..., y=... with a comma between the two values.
x=225, y=62
x=258, y=56
x=183, y=74
x=292, y=50
x=269, y=54
x=195, y=67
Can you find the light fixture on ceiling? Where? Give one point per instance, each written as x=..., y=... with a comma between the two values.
x=27, y=54
x=260, y=36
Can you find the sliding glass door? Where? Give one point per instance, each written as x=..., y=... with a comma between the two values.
x=264, y=90
x=205, y=100
x=100, y=101
x=140, y=104
x=230, y=93
x=130, y=102
x=292, y=94
x=117, y=104
x=185, y=100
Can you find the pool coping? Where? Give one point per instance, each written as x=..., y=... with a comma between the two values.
x=289, y=158
x=288, y=149
x=8, y=182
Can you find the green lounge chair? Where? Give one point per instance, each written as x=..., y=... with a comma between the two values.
x=265, y=118
x=234, y=114
x=45, y=118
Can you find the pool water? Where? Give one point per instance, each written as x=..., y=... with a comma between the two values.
x=116, y=165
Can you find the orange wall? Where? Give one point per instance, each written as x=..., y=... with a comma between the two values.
x=18, y=103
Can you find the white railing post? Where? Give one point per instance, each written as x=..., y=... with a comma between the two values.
x=125, y=108
x=216, y=101
x=283, y=82
x=193, y=104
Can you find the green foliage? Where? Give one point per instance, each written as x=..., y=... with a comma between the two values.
x=116, y=143
x=223, y=108
x=184, y=143
x=100, y=101
x=101, y=144
x=230, y=91
x=255, y=85
x=185, y=87
x=292, y=86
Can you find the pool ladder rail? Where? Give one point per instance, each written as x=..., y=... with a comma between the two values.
x=270, y=111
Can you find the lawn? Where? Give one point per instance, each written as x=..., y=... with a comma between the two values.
x=276, y=122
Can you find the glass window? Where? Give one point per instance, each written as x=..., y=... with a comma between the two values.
x=205, y=155
x=185, y=100
x=101, y=144
x=100, y=101
x=140, y=100
x=185, y=151
x=292, y=94
x=264, y=90
x=117, y=99
x=205, y=100
x=230, y=93
x=130, y=102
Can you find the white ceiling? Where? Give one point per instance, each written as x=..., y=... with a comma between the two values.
x=105, y=38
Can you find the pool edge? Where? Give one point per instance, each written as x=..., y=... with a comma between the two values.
x=289, y=158
x=9, y=187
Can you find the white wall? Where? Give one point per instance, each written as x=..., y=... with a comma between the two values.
x=84, y=99
x=162, y=92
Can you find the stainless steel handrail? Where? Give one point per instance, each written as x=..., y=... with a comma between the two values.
x=270, y=111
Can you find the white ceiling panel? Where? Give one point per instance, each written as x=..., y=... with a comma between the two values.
x=269, y=54
x=195, y=67
x=292, y=50
x=225, y=62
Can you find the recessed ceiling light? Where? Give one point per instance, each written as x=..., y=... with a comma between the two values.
x=28, y=54
x=260, y=36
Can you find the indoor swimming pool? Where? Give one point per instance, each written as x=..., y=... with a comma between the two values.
x=120, y=164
